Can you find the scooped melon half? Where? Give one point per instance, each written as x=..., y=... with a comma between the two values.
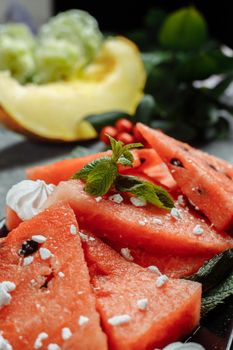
x=55, y=111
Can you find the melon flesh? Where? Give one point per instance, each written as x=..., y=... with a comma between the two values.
x=205, y=180
x=172, y=265
x=43, y=301
x=136, y=227
x=61, y=170
x=146, y=162
x=173, y=310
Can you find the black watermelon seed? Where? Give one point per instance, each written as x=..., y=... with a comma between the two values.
x=212, y=167
x=29, y=247
x=228, y=176
x=176, y=162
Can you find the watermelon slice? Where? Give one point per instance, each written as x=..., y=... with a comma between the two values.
x=148, y=227
x=172, y=265
x=61, y=170
x=204, y=179
x=146, y=162
x=52, y=299
x=139, y=308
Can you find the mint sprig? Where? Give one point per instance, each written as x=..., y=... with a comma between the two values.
x=216, y=276
x=102, y=174
x=153, y=194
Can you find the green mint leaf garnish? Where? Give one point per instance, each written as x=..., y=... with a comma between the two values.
x=124, y=161
x=153, y=194
x=119, y=149
x=86, y=170
x=217, y=295
x=216, y=276
x=101, y=178
x=101, y=174
x=133, y=145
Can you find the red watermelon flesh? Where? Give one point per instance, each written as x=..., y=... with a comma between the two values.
x=146, y=162
x=172, y=311
x=61, y=170
x=151, y=165
x=205, y=180
x=172, y=265
x=140, y=227
x=50, y=294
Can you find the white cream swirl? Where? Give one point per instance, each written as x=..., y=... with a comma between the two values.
x=28, y=197
x=184, y=346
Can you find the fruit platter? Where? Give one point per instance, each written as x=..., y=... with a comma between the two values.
x=130, y=248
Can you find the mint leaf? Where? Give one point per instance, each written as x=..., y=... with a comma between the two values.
x=125, y=183
x=102, y=173
x=117, y=148
x=164, y=197
x=217, y=295
x=214, y=271
x=153, y=194
x=124, y=161
x=126, y=158
x=85, y=171
x=128, y=155
x=101, y=178
x=133, y=145
x=216, y=276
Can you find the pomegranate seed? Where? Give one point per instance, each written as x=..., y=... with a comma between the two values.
x=125, y=137
x=124, y=125
x=108, y=130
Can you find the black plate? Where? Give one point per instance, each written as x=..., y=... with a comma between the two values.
x=215, y=331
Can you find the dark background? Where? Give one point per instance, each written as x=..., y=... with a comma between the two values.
x=121, y=16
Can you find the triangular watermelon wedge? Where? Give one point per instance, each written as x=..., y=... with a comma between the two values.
x=138, y=312
x=148, y=227
x=52, y=299
x=172, y=265
x=204, y=179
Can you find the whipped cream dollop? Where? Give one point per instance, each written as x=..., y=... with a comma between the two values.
x=28, y=197
x=184, y=346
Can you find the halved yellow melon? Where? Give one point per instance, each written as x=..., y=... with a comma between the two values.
x=55, y=111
